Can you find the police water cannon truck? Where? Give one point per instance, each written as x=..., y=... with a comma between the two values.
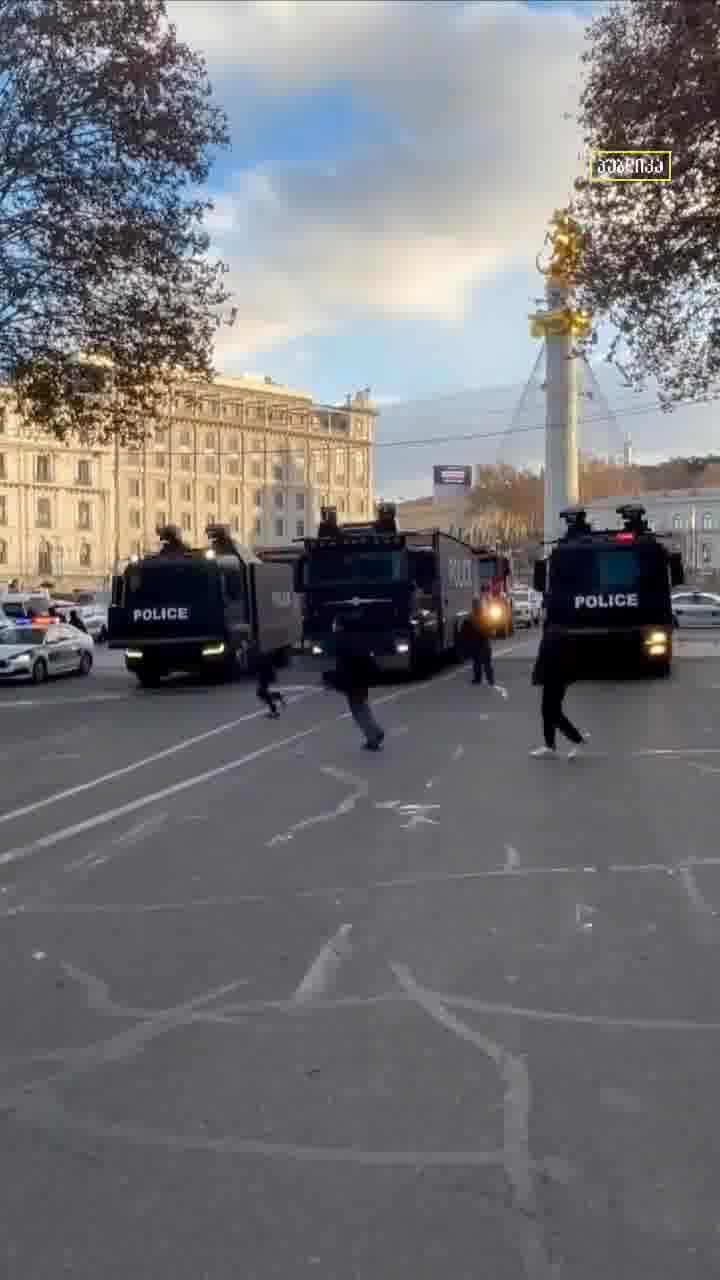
x=611, y=588
x=215, y=609
x=398, y=597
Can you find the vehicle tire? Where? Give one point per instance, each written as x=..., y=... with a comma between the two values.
x=39, y=671
x=150, y=678
x=86, y=662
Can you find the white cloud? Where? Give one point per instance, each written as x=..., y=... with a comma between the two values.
x=477, y=155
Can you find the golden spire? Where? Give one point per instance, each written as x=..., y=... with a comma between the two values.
x=566, y=240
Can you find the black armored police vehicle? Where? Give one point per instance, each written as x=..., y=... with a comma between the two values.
x=611, y=588
x=215, y=609
x=398, y=597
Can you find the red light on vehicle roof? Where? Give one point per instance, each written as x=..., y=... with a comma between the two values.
x=624, y=537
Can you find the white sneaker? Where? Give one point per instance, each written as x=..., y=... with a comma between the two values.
x=499, y=688
x=544, y=753
x=574, y=752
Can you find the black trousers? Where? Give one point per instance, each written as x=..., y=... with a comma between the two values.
x=482, y=662
x=265, y=694
x=553, y=716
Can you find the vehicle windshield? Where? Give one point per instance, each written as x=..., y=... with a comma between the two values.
x=355, y=568
x=188, y=583
x=22, y=635
x=600, y=570
x=488, y=569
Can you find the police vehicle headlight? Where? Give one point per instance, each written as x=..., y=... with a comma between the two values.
x=133, y=653
x=657, y=650
x=402, y=647
x=316, y=649
x=657, y=637
x=495, y=611
x=213, y=650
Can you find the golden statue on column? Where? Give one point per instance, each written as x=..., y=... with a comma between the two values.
x=565, y=240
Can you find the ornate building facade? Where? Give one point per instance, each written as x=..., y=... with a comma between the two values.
x=246, y=452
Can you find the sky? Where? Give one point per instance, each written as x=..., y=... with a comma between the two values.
x=393, y=167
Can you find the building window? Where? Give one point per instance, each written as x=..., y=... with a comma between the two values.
x=299, y=528
x=43, y=513
x=707, y=520
x=3, y=420
x=134, y=518
x=279, y=528
x=160, y=435
x=258, y=527
x=236, y=524
x=161, y=461
x=258, y=498
x=210, y=440
x=186, y=438
x=321, y=474
x=85, y=555
x=340, y=462
x=209, y=492
x=210, y=463
x=707, y=553
x=43, y=469
x=257, y=469
x=210, y=519
x=133, y=458
x=134, y=488
x=341, y=504
x=186, y=492
x=2, y=466
x=3, y=509
x=235, y=497
x=359, y=466
x=233, y=467
x=300, y=501
x=160, y=489
x=277, y=471
x=186, y=462
x=160, y=519
x=186, y=521
x=678, y=522
x=84, y=475
x=84, y=515
x=45, y=558
x=233, y=443
x=279, y=501
x=3, y=551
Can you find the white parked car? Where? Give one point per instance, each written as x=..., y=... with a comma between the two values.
x=37, y=653
x=527, y=606
x=696, y=609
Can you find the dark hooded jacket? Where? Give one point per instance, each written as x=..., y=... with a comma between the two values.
x=556, y=662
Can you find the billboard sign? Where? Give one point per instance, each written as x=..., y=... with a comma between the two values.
x=452, y=483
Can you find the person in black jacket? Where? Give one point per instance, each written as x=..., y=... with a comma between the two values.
x=555, y=669
x=267, y=675
x=77, y=621
x=475, y=637
x=353, y=675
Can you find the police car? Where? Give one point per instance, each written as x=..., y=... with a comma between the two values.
x=36, y=649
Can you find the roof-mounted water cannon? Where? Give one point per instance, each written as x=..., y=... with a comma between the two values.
x=385, y=520
x=328, y=526
x=577, y=522
x=171, y=542
x=632, y=515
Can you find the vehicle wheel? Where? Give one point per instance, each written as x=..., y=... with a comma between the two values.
x=85, y=664
x=149, y=679
x=39, y=672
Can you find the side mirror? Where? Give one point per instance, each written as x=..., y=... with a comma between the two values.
x=540, y=576
x=677, y=569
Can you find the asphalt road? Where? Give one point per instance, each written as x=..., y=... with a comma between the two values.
x=274, y=1007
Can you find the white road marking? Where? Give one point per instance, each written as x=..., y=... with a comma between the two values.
x=183, y=745
x=60, y=702
x=110, y=815
x=361, y=788
x=39, y=955
x=518, y=1164
x=459, y=752
x=512, y=858
x=582, y=916
x=324, y=968
x=705, y=916
x=140, y=831
x=679, y=751
x=60, y=755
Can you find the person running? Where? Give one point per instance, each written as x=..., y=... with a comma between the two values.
x=353, y=676
x=476, y=633
x=267, y=675
x=76, y=621
x=555, y=669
